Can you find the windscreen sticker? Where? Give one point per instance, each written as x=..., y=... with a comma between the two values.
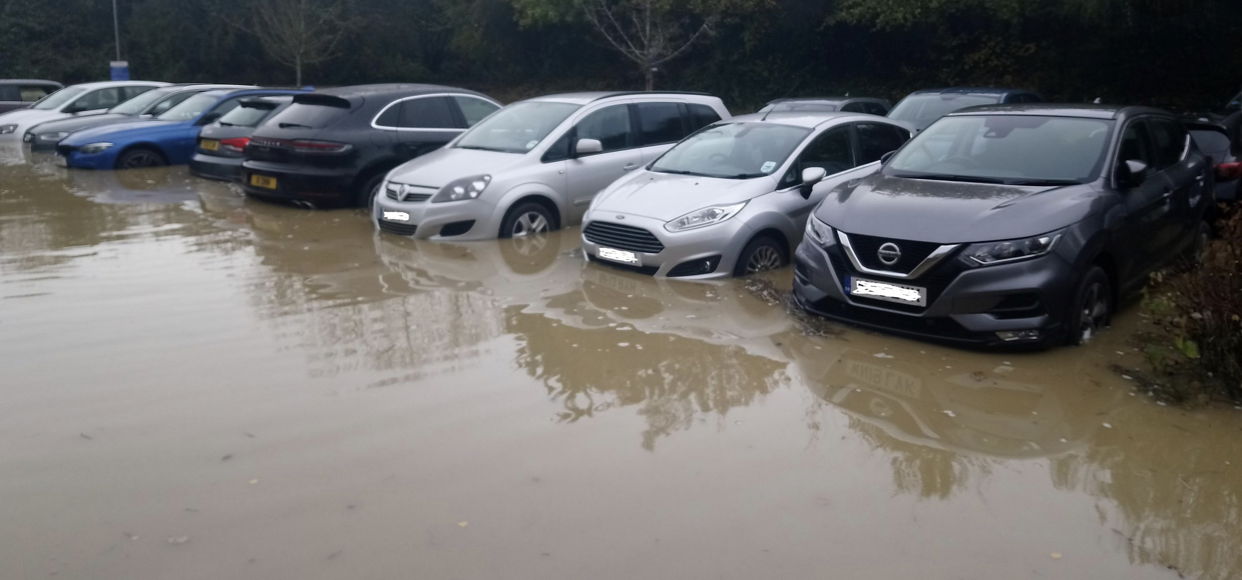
x=768, y=167
x=531, y=145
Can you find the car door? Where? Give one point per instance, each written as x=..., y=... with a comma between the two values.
x=1186, y=179
x=586, y=175
x=831, y=150
x=1147, y=208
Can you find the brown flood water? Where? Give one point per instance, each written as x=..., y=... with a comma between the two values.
x=197, y=386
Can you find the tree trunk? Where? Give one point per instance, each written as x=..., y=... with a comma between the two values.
x=298, y=67
x=649, y=71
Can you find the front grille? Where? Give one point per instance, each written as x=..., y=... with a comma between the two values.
x=396, y=228
x=866, y=249
x=408, y=193
x=935, y=281
x=622, y=237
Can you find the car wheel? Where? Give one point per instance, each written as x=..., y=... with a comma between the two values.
x=760, y=255
x=527, y=219
x=140, y=157
x=366, y=197
x=1092, y=306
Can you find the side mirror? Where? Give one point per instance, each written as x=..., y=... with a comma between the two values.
x=811, y=176
x=1131, y=174
x=885, y=157
x=209, y=118
x=586, y=147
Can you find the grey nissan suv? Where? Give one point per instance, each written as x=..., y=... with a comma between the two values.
x=733, y=198
x=535, y=165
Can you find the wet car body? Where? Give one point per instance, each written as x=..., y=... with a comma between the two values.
x=921, y=108
x=333, y=147
x=525, y=170
x=634, y=223
x=871, y=106
x=1010, y=262
x=221, y=145
x=161, y=141
x=42, y=138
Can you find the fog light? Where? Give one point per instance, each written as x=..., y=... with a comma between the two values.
x=1018, y=335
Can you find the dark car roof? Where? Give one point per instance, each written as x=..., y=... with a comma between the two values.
x=971, y=91
x=1062, y=110
x=356, y=95
x=30, y=82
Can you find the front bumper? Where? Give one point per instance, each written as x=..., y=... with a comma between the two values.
x=965, y=305
x=300, y=183
x=693, y=250
x=455, y=220
x=216, y=167
x=75, y=158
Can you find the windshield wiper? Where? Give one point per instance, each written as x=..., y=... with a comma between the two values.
x=481, y=148
x=1042, y=182
x=950, y=177
x=292, y=125
x=675, y=171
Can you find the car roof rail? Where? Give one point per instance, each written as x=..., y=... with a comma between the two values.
x=633, y=93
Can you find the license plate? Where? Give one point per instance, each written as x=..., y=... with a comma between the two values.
x=396, y=216
x=897, y=293
x=262, y=181
x=209, y=145
x=618, y=256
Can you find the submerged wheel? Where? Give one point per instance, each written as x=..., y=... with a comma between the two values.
x=366, y=195
x=140, y=157
x=1092, y=308
x=527, y=219
x=760, y=255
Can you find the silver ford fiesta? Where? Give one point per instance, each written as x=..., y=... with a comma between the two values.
x=733, y=198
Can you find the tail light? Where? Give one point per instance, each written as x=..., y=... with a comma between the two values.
x=311, y=146
x=1227, y=171
x=236, y=144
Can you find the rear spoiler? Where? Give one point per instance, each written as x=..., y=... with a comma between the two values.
x=323, y=100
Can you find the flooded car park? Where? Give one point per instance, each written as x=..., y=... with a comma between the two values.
x=197, y=385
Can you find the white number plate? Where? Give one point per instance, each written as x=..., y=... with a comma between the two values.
x=897, y=293
x=396, y=216
x=618, y=256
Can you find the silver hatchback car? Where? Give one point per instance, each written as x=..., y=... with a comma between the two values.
x=733, y=199
x=535, y=165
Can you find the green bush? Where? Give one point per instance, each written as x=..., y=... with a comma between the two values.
x=1196, y=348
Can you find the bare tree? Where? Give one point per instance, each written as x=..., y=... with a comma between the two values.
x=293, y=32
x=648, y=32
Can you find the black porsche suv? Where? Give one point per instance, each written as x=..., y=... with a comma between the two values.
x=332, y=147
x=1020, y=224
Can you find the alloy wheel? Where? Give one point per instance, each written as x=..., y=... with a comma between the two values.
x=141, y=158
x=530, y=223
x=764, y=258
x=1094, y=311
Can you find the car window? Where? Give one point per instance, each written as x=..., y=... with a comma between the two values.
x=169, y=103
x=701, y=116
x=128, y=93
x=855, y=107
x=831, y=151
x=659, y=123
x=474, y=109
x=877, y=109
x=427, y=113
x=610, y=126
x=874, y=140
x=1169, y=140
x=32, y=93
x=248, y=114
x=1214, y=144
x=98, y=99
x=59, y=98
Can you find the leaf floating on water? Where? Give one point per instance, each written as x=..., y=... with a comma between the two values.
x=254, y=482
x=1055, y=555
x=178, y=540
x=949, y=413
x=462, y=524
x=1107, y=425
x=883, y=355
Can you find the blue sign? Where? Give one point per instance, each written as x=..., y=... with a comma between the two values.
x=120, y=70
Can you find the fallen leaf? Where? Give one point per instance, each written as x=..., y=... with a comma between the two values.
x=462, y=524
x=178, y=540
x=1055, y=555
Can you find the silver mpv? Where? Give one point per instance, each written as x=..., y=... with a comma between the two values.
x=535, y=165
x=733, y=199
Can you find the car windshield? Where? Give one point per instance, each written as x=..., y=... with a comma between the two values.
x=733, y=150
x=517, y=128
x=247, y=114
x=190, y=108
x=800, y=107
x=1009, y=149
x=58, y=98
x=139, y=103
x=923, y=110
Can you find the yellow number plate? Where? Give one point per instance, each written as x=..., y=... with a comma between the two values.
x=262, y=181
x=209, y=144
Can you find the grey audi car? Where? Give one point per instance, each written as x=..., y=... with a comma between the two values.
x=1021, y=224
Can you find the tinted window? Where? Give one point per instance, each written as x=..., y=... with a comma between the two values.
x=876, y=109
x=853, y=108
x=610, y=126
x=428, y=113
x=701, y=116
x=830, y=151
x=391, y=117
x=100, y=99
x=247, y=114
x=1134, y=144
x=1169, y=139
x=308, y=116
x=874, y=140
x=474, y=110
x=659, y=123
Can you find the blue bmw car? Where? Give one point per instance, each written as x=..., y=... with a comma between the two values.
x=168, y=139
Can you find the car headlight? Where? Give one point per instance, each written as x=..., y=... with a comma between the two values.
x=704, y=217
x=57, y=136
x=8, y=129
x=990, y=253
x=818, y=231
x=95, y=147
x=463, y=189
